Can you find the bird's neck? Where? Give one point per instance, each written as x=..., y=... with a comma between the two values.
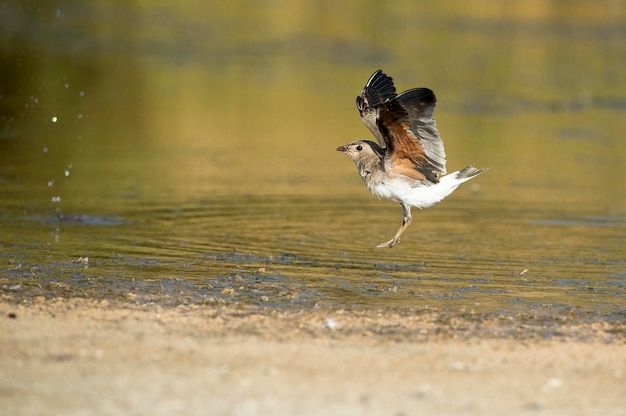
x=367, y=169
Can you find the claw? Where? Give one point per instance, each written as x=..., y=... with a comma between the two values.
x=389, y=243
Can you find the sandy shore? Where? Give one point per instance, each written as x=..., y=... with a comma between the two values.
x=83, y=357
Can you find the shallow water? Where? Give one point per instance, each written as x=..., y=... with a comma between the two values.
x=191, y=158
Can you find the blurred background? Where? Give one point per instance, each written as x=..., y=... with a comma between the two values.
x=205, y=132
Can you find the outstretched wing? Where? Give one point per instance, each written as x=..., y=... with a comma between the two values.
x=414, y=147
x=403, y=124
x=378, y=90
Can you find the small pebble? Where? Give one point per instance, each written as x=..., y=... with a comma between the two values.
x=331, y=323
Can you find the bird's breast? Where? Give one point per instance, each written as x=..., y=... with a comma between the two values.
x=381, y=188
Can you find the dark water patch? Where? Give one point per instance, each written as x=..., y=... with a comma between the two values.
x=241, y=288
x=613, y=222
x=552, y=28
x=80, y=219
x=521, y=105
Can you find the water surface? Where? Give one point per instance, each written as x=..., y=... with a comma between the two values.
x=188, y=153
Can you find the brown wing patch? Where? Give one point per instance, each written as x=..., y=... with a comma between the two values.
x=405, y=153
x=406, y=167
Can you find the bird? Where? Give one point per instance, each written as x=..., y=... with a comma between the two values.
x=408, y=164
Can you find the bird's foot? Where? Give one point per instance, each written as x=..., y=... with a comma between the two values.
x=389, y=243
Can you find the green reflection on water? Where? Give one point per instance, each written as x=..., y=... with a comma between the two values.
x=196, y=143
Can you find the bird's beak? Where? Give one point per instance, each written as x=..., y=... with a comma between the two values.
x=342, y=148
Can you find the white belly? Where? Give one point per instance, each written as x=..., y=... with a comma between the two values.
x=415, y=193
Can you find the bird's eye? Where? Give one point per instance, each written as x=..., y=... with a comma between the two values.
x=359, y=148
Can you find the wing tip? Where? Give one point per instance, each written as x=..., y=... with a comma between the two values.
x=420, y=95
x=378, y=89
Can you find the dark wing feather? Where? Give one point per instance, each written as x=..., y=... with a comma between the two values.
x=414, y=147
x=378, y=90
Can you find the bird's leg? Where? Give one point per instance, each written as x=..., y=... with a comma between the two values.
x=406, y=220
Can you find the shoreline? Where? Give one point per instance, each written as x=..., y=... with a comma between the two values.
x=78, y=356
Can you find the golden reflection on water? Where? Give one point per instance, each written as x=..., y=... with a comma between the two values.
x=210, y=131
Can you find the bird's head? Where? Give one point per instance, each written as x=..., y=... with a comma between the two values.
x=362, y=152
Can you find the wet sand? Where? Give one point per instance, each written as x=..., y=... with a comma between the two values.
x=73, y=356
